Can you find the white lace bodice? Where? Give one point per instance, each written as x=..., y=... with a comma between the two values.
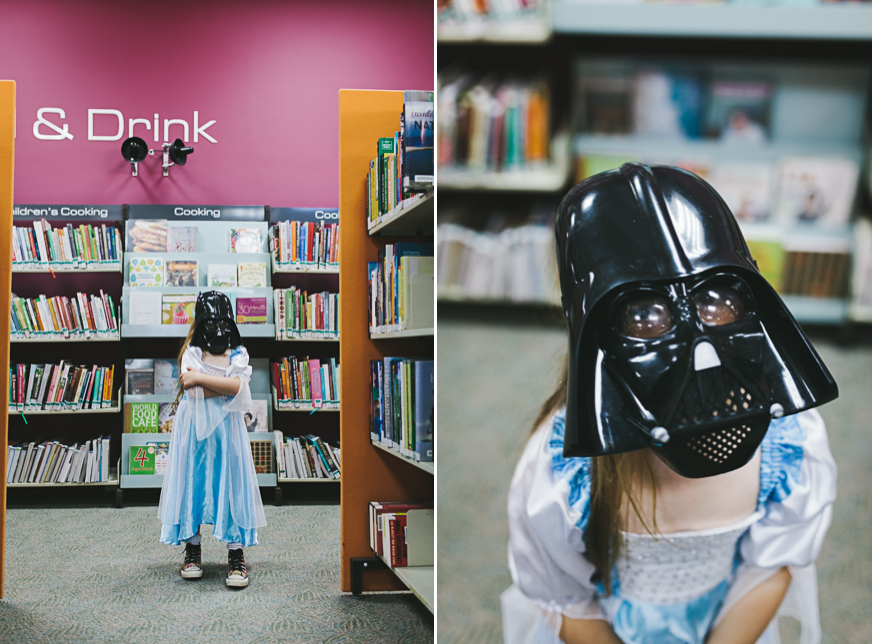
x=678, y=567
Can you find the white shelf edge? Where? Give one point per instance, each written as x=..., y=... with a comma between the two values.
x=74, y=337
x=518, y=32
x=68, y=269
x=281, y=338
x=305, y=271
x=309, y=480
x=109, y=483
x=181, y=330
x=407, y=333
x=404, y=208
x=421, y=580
x=427, y=466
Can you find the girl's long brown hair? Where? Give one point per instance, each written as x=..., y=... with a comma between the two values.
x=181, y=354
x=613, y=485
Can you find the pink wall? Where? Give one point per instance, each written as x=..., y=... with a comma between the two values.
x=267, y=71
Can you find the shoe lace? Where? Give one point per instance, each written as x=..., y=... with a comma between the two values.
x=236, y=562
x=192, y=554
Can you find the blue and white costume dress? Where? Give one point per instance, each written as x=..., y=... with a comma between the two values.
x=211, y=477
x=672, y=589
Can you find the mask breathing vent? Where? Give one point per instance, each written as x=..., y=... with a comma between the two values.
x=715, y=395
x=720, y=445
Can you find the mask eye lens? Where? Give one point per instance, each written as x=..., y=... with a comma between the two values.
x=644, y=317
x=718, y=306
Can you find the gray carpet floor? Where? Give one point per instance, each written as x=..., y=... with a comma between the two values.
x=494, y=373
x=99, y=575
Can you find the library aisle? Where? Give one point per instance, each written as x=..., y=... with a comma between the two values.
x=497, y=366
x=93, y=575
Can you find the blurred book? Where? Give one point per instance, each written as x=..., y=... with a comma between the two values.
x=144, y=307
x=166, y=415
x=251, y=274
x=668, y=103
x=747, y=187
x=178, y=308
x=182, y=239
x=140, y=417
x=146, y=272
x=147, y=236
x=251, y=310
x=166, y=376
x=246, y=240
x=770, y=256
x=140, y=376
x=181, y=273
x=605, y=104
x=738, y=111
x=256, y=417
x=221, y=275
x=817, y=190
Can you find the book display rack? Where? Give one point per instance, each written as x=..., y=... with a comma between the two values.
x=783, y=138
x=369, y=472
x=66, y=294
x=305, y=358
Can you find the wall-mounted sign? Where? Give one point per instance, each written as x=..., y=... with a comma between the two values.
x=64, y=211
x=189, y=213
x=327, y=215
x=110, y=125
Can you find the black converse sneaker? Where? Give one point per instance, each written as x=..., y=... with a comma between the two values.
x=192, y=569
x=237, y=573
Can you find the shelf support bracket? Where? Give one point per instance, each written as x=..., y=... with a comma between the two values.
x=358, y=566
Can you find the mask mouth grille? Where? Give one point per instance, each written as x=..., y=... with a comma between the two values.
x=714, y=396
x=719, y=446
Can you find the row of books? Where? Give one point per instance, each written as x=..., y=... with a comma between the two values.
x=391, y=283
x=84, y=245
x=54, y=462
x=493, y=124
x=790, y=190
x=153, y=272
x=306, y=457
x=402, y=412
x=59, y=387
x=508, y=261
x=306, y=382
x=155, y=307
x=299, y=314
x=63, y=316
x=450, y=11
x=155, y=236
x=402, y=533
x=305, y=244
x=403, y=165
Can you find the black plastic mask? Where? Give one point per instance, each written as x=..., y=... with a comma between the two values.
x=677, y=343
x=214, y=326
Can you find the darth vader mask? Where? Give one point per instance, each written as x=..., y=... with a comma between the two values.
x=677, y=343
x=214, y=327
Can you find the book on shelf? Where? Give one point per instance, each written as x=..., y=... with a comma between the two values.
x=256, y=417
x=308, y=244
x=305, y=457
x=738, y=111
x=816, y=190
x=401, y=407
x=299, y=314
x=140, y=376
x=390, y=286
x=668, y=103
x=59, y=387
x=252, y=274
x=604, y=103
x=62, y=315
x=141, y=417
x=221, y=275
x=261, y=452
x=181, y=273
x=55, y=462
x=306, y=382
x=66, y=244
x=178, y=308
x=246, y=240
x=746, y=187
x=251, y=310
x=147, y=236
x=144, y=306
x=147, y=272
x=182, y=239
x=416, y=138
x=166, y=416
x=816, y=273
x=380, y=512
x=166, y=376
x=161, y=455
x=769, y=255
x=142, y=459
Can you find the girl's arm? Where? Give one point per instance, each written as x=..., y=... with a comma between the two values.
x=587, y=631
x=217, y=385
x=746, y=621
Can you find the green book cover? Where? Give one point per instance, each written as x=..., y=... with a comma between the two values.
x=142, y=459
x=141, y=417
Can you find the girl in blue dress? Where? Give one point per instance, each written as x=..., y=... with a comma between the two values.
x=678, y=485
x=211, y=477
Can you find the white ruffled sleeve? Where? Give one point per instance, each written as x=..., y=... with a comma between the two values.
x=548, y=509
x=240, y=368
x=798, y=487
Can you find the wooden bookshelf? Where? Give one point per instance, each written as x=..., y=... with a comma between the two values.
x=7, y=149
x=368, y=473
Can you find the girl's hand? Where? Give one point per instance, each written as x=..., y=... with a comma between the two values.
x=189, y=378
